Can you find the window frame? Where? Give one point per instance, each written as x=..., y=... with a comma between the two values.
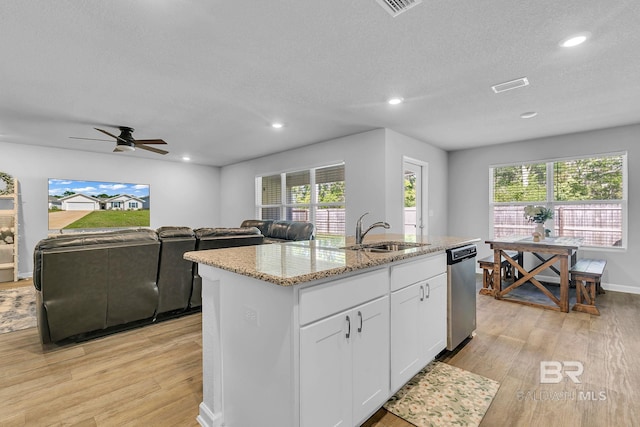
x=313, y=204
x=550, y=201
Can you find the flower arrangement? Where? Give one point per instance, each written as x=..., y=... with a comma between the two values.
x=537, y=214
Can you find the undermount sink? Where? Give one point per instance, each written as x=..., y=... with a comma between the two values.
x=385, y=246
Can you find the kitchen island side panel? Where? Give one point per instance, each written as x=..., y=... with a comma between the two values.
x=250, y=359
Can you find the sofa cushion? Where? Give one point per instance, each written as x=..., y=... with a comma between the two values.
x=108, y=238
x=169, y=232
x=290, y=230
x=211, y=232
x=260, y=224
x=278, y=230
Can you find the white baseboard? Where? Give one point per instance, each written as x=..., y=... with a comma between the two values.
x=207, y=418
x=620, y=288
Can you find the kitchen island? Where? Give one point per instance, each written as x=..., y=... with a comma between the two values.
x=313, y=334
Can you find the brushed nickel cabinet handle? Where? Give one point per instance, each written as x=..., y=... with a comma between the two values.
x=348, y=327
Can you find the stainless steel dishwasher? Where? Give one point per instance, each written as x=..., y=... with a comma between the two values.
x=461, y=294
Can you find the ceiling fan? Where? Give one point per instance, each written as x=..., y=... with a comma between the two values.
x=126, y=142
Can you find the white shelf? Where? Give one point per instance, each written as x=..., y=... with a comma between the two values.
x=13, y=214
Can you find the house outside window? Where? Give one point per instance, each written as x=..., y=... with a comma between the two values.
x=133, y=205
x=116, y=205
x=588, y=196
x=315, y=195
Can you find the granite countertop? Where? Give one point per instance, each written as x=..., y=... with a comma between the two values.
x=287, y=264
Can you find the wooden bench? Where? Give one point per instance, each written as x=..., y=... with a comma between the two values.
x=486, y=264
x=587, y=274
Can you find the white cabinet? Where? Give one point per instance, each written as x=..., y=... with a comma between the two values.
x=325, y=373
x=435, y=316
x=418, y=319
x=370, y=359
x=344, y=365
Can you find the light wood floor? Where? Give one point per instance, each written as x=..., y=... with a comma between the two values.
x=18, y=284
x=152, y=375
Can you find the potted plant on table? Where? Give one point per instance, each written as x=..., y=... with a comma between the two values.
x=538, y=215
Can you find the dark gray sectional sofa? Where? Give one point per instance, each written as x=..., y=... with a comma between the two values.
x=92, y=284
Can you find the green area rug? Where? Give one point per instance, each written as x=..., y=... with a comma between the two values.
x=443, y=395
x=17, y=309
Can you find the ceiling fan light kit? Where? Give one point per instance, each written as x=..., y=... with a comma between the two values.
x=124, y=147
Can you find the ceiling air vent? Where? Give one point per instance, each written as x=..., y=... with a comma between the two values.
x=513, y=84
x=396, y=7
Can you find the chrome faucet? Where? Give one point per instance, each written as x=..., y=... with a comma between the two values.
x=360, y=234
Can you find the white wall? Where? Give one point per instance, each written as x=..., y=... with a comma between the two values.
x=181, y=193
x=373, y=164
x=399, y=145
x=469, y=195
x=363, y=155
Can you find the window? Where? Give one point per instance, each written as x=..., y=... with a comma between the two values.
x=587, y=195
x=133, y=205
x=316, y=195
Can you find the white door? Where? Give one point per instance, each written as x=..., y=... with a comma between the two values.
x=325, y=372
x=414, y=200
x=370, y=358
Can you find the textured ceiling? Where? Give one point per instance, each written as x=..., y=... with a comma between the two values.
x=210, y=76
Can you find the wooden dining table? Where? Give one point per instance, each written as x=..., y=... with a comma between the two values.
x=550, y=251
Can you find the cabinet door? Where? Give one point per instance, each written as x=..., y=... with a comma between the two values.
x=434, y=313
x=325, y=372
x=370, y=341
x=406, y=346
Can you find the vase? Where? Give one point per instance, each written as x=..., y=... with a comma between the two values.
x=540, y=229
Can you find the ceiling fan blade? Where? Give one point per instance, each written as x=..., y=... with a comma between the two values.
x=155, y=150
x=149, y=141
x=90, y=139
x=111, y=135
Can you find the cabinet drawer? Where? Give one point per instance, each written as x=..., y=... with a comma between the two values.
x=326, y=299
x=415, y=271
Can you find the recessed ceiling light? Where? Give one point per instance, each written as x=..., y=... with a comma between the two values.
x=575, y=40
x=186, y=158
x=528, y=115
x=395, y=101
x=276, y=125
